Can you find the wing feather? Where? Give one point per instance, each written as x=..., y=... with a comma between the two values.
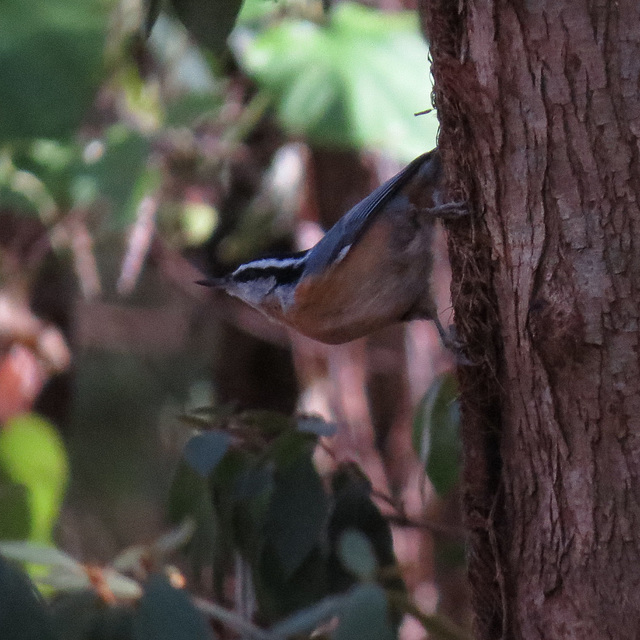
x=353, y=224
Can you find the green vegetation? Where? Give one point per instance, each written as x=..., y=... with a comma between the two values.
x=121, y=125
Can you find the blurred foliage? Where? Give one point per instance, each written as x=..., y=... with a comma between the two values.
x=263, y=499
x=333, y=79
x=210, y=23
x=436, y=437
x=23, y=614
x=33, y=477
x=96, y=121
x=246, y=485
x=166, y=613
x=51, y=56
x=338, y=82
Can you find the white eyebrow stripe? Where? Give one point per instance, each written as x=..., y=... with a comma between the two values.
x=265, y=263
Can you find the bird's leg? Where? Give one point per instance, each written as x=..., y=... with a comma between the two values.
x=447, y=211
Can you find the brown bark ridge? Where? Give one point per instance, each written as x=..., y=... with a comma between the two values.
x=539, y=103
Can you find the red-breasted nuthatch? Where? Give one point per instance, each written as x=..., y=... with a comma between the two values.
x=371, y=269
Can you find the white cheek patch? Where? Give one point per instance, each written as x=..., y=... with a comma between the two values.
x=285, y=296
x=252, y=292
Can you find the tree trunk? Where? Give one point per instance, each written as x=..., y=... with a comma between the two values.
x=539, y=103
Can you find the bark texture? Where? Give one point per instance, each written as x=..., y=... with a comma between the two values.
x=539, y=103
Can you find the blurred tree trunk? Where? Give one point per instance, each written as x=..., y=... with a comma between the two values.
x=539, y=103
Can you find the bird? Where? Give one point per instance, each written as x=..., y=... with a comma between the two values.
x=373, y=268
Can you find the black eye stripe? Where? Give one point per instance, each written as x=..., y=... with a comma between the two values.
x=284, y=275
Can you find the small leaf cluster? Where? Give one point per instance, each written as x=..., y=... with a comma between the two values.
x=252, y=488
x=246, y=491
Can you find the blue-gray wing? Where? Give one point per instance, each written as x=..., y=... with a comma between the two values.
x=353, y=224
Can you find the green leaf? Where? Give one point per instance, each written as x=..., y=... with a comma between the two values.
x=190, y=496
x=32, y=455
x=365, y=616
x=165, y=613
x=297, y=513
x=209, y=21
x=290, y=447
x=352, y=83
x=222, y=486
x=75, y=614
x=204, y=451
x=357, y=554
x=252, y=496
x=23, y=613
x=120, y=174
x=50, y=65
x=15, y=523
x=279, y=594
x=436, y=438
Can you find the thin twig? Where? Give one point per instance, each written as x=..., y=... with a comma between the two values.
x=232, y=620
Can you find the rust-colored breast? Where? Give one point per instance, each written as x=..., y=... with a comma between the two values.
x=354, y=297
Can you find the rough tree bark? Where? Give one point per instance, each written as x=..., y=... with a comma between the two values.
x=539, y=103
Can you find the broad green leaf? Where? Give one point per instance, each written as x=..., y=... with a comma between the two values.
x=297, y=513
x=204, y=451
x=436, y=437
x=209, y=21
x=252, y=495
x=354, y=510
x=279, y=593
x=32, y=454
x=357, y=554
x=365, y=615
x=290, y=447
x=50, y=65
x=355, y=82
x=23, y=613
x=222, y=487
x=165, y=613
